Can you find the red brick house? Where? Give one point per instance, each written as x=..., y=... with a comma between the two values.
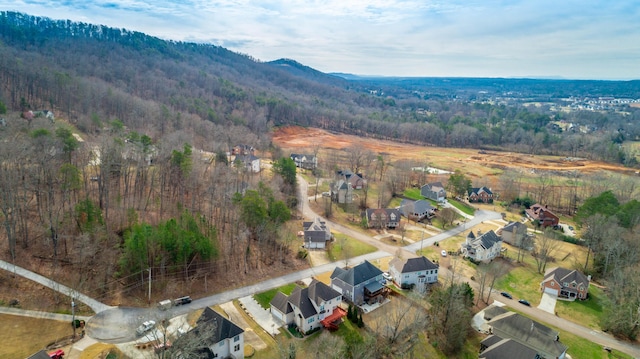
x=565, y=284
x=543, y=215
x=481, y=194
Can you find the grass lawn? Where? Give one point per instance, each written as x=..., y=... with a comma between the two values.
x=522, y=282
x=265, y=298
x=583, y=348
x=347, y=246
x=587, y=312
x=23, y=336
x=461, y=206
x=413, y=193
x=102, y=350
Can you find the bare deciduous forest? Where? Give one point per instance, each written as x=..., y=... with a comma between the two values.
x=135, y=171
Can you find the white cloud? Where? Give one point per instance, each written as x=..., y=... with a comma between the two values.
x=575, y=39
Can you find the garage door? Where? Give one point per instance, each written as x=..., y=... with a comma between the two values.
x=551, y=291
x=277, y=314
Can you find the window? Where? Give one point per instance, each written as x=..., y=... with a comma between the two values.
x=552, y=284
x=215, y=355
x=236, y=347
x=236, y=338
x=221, y=343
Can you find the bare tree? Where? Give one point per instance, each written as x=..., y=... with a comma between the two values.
x=447, y=215
x=545, y=246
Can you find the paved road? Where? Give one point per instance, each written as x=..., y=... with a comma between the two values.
x=95, y=305
x=117, y=325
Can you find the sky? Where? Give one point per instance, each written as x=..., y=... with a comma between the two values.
x=587, y=39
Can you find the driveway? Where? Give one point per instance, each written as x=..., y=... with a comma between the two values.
x=548, y=303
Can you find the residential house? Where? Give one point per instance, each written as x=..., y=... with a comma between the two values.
x=483, y=248
x=309, y=308
x=242, y=150
x=316, y=234
x=342, y=192
x=413, y=272
x=516, y=336
x=361, y=284
x=250, y=162
x=219, y=337
x=383, y=217
x=565, y=283
x=543, y=215
x=434, y=191
x=417, y=210
x=356, y=180
x=307, y=162
x=480, y=194
x=513, y=233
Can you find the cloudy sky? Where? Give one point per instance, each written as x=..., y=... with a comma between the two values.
x=586, y=39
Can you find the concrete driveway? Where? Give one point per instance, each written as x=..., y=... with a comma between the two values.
x=548, y=303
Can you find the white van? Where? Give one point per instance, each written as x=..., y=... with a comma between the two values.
x=165, y=304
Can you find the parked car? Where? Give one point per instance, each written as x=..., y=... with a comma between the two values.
x=387, y=276
x=182, y=300
x=571, y=228
x=444, y=253
x=525, y=302
x=506, y=295
x=145, y=327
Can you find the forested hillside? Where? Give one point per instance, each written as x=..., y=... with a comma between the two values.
x=132, y=173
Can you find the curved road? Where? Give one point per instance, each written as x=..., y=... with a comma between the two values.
x=117, y=325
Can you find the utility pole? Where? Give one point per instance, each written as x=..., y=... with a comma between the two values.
x=149, y=285
x=73, y=316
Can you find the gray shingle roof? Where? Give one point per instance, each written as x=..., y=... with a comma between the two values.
x=499, y=348
x=222, y=327
x=305, y=298
x=563, y=275
x=281, y=302
x=528, y=332
x=411, y=265
x=358, y=274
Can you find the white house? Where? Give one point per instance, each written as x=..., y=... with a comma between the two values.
x=418, y=272
x=308, y=308
x=316, y=234
x=483, y=248
x=217, y=337
x=250, y=162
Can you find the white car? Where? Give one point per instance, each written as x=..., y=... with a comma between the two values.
x=444, y=253
x=145, y=327
x=387, y=276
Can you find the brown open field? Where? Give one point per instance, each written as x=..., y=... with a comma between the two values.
x=473, y=162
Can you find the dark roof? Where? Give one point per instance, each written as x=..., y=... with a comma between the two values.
x=315, y=225
x=412, y=264
x=493, y=311
x=563, y=275
x=498, y=348
x=224, y=328
x=300, y=298
x=477, y=190
x=419, y=206
x=358, y=274
x=374, y=286
x=39, y=355
x=528, y=332
x=281, y=302
x=486, y=240
x=320, y=292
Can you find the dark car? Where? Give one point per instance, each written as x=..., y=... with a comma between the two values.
x=525, y=302
x=506, y=295
x=182, y=300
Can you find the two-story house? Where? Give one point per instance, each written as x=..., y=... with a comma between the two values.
x=417, y=210
x=565, y=283
x=308, y=308
x=413, y=272
x=214, y=336
x=316, y=234
x=516, y=336
x=361, y=284
x=483, y=248
x=434, y=191
x=513, y=233
x=543, y=215
x=307, y=162
x=356, y=180
x=250, y=162
x=383, y=217
x=341, y=192
x=480, y=194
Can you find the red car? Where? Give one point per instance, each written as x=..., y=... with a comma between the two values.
x=58, y=354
